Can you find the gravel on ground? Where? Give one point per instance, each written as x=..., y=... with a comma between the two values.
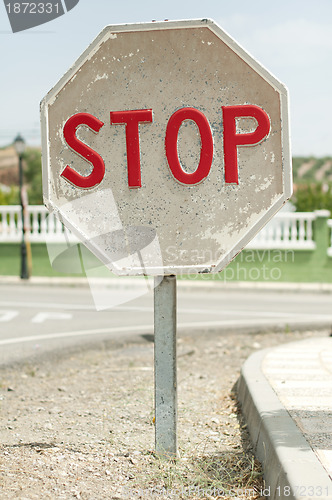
x=80, y=425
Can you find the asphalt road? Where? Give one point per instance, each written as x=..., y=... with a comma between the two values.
x=36, y=319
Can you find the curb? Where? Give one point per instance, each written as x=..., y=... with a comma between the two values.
x=291, y=468
x=183, y=284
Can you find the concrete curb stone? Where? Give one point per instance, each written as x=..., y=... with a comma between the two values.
x=184, y=284
x=291, y=468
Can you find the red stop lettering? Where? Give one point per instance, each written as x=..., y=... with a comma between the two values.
x=232, y=139
x=69, y=133
x=132, y=119
x=171, y=147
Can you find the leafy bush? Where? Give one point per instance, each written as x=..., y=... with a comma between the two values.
x=9, y=197
x=314, y=196
x=33, y=176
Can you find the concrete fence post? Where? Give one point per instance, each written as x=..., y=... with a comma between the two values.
x=321, y=235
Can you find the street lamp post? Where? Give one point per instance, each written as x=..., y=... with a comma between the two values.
x=19, y=145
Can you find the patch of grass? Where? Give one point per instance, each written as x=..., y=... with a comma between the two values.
x=249, y=265
x=223, y=475
x=10, y=261
x=287, y=328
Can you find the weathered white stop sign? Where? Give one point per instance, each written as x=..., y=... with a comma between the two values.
x=166, y=148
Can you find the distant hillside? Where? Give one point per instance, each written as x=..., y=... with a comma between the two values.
x=310, y=169
x=8, y=166
x=9, y=175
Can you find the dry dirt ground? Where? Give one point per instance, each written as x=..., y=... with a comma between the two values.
x=81, y=424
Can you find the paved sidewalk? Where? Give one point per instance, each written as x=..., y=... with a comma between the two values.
x=286, y=397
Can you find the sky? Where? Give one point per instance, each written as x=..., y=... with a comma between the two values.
x=291, y=38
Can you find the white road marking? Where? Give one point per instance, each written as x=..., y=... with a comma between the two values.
x=247, y=322
x=45, y=316
x=7, y=315
x=193, y=310
x=47, y=305
x=78, y=333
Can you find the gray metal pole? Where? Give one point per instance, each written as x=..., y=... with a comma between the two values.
x=24, y=267
x=165, y=366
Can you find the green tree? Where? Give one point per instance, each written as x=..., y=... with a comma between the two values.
x=32, y=178
x=313, y=196
x=10, y=197
x=33, y=175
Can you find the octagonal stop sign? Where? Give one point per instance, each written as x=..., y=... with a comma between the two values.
x=166, y=148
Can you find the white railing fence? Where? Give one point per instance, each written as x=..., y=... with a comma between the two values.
x=329, y=250
x=287, y=230
x=40, y=225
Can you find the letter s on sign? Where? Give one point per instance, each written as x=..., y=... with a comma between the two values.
x=69, y=133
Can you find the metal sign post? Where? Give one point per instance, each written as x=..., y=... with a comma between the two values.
x=165, y=366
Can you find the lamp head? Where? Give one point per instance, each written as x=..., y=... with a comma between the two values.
x=19, y=144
